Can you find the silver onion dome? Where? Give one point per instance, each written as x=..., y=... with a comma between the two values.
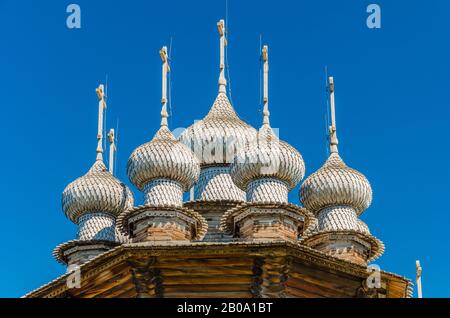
x=220, y=135
x=98, y=191
x=268, y=157
x=336, y=184
x=163, y=158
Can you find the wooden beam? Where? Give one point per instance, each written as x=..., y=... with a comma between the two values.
x=147, y=278
x=317, y=289
x=210, y=295
x=105, y=289
x=347, y=287
x=101, y=280
x=207, y=280
x=202, y=270
x=257, y=279
x=275, y=273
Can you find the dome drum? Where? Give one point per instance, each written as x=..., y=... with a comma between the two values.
x=215, y=184
x=78, y=252
x=267, y=190
x=362, y=227
x=156, y=228
x=85, y=254
x=96, y=226
x=213, y=211
x=152, y=223
x=337, y=218
x=348, y=245
x=269, y=169
x=267, y=221
x=163, y=192
x=262, y=227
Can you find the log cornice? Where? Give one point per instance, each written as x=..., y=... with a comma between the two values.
x=266, y=265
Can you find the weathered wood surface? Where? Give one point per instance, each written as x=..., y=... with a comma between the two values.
x=224, y=271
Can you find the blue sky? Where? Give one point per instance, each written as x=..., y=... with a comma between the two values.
x=392, y=87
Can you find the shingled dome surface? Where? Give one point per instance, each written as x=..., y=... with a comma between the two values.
x=98, y=191
x=334, y=184
x=163, y=158
x=220, y=135
x=268, y=157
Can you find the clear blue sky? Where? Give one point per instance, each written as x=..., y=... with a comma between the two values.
x=392, y=88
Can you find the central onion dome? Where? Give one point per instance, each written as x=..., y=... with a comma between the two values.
x=269, y=157
x=217, y=139
x=220, y=135
x=98, y=191
x=336, y=184
x=163, y=158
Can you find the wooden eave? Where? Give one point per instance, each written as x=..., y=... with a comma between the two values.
x=219, y=269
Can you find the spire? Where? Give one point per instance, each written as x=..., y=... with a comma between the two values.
x=223, y=44
x=265, y=58
x=165, y=70
x=419, y=279
x=333, y=137
x=101, y=107
x=112, y=150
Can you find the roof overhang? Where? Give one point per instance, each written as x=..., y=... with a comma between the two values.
x=219, y=269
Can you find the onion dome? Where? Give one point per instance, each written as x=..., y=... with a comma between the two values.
x=270, y=157
x=337, y=194
x=163, y=158
x=163, y=167
x=336, y=184
x=268, y=160
x=98, y=191
x=93, y=202
x=216, y=140
x=220, y=135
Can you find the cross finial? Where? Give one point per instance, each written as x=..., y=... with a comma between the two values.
x=333, y=136
x=165, y=70
x=101, y=107
x=265, y=58
x=112, y=150
x=223, y=44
